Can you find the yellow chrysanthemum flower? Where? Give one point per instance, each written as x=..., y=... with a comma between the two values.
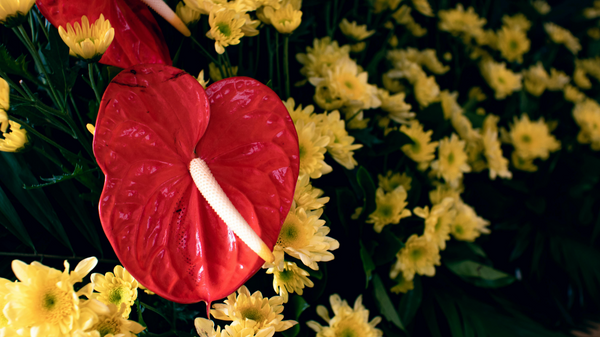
x=390, y=208
x=206, y=328
x=449, y=104
x=427, y=91
x=517, y=21
x=341, y=146
x=523, y=164
x=418, y=256
x=354, y=31
x=14, y=12
x=422, y=150
x=437, y=221
x=467, y=225
x=502, y=80
x=512, y=43
x=562, y=36
x=532, y=139
x=303, y=236
x=347, y=321
x=243, y=307
x=557, y=80
x=116, y=288
x=225, y=28
x=44, y=301
x=391, y=84
x=587, y=115
x=535, y=79
x=572, y=94
x=496, y=163
x=398, y=110
x=108, y=321
x=326, y=98
x=381, y=5
x=15, y=139
x=312, y=148
x=594, y=33
x=201, y=79
x=541, y=6
x=308, y=197
x=358, y=47
x=458, y=22
x=443, y=191
x=285, y=19
x=215, y=73
x=4, y=104
x=403, y=17
x=321, y=57
x=452, y=160
x=402, y=285
x=298, y=113
x=88, y=42
x=580, y=78
x=392, y=180
x=292, y=279
x=423, y=7
x=187, y=14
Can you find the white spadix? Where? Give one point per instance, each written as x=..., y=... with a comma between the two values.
x=167, y=13
x=220, y=203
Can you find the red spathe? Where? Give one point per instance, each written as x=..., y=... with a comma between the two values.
x=138, y=39
x=153, y=121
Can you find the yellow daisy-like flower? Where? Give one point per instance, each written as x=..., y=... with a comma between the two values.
x=390, y=208
x=292, y=279
x=562, y=36
x=403, y=17
x=341, y=146
x=312, y=148
x=452, y=160
x=108, y=321
x=4, y=104
x=15, y=139
x=557, y=80
x=326, y=98
x=437, y=221
x=422, y=150
x=523, y=164
x=201, y=79
x=477, y=94
x=423, y=7
x=215, y=73
x=402, y=285
x=354, y=31
x=391, y=181
x=513, y=44
x=458, y=22
x=44, y=301
x=443, y=191
x=308, y=197
x=427, y=91
x=14, y=12
x=347, y=321
x=398, y=110
x=580, y=78
x=497, y=164
x=285, y=19
x=303, y=236
x=535, y=79
x=187, y=14
x=206, y=328
x=418, y=256
x=298, y=113
x=321, y=57
x=517, y=21
x=502, y=80
x=85, y=41
x=572, y=94
x=358, y=47
x=467, y=226
x=391, y=84
x=541, y=6
x=116, y=288
x=532, y=139
x=587, y=115
x=225, y=28
x=449, y=104
x=243, y=307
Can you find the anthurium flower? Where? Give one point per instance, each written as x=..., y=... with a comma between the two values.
x=155, y=123
x=137, y=40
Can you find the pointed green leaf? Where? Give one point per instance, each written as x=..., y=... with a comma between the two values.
x=385, y=304
x=16, y=67
x=368, y=265
x=294, y=308
x=11, y=220
x=480, y=274
x=368, y=188
x=410, y=302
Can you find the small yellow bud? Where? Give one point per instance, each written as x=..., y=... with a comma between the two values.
x=91, y=128
x=14, y=140
x=201, y=80
x=187, y=14
x=88, y=42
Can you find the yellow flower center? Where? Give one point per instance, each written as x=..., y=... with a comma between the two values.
x=451, y=158
x=292, y=233
x=253, y=313
x=501, y=80
x=513, y=44
x=416, y=146
x=111, y=325
x=438, y=224
x=459, y=229
x=116, y=296
x=224, y=28
x=416, y=254
x=3, y=321
x=55, y=305
x=285, y=275
x=526, y=139
x=385, y=211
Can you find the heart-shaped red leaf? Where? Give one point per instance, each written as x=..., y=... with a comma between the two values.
x=153, y=121
x=138, y=38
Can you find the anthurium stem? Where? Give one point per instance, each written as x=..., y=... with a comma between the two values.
x=220, y=203
x=93, y=82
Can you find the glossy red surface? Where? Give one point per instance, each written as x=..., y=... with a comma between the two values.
x=153, y=121
x=138, y=38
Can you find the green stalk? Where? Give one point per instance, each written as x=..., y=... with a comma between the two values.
x=93, y=82
x=204, y=50
x=286, y=64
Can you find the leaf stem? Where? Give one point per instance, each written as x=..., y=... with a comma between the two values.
x=93, y=82
x=204, y=50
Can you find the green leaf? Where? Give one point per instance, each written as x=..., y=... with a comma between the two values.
x=410, y=302
x=450, y=311
x=16, y=67
x=480, y=274
x=368, y=264
x=368, y=188
x=345, y=201
x=57, y=59
x=433, y=113
x=365, y=137
x=296, y=306
x=384, y=303
x=388, y=247
x=11, y=220
x=391, y=143
x=15, y=174
x=63, y=177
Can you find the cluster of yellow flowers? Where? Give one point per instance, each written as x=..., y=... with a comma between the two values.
x=43, y=302
x=251, y=314
x=347, y=321
x=14, y=138
x=531, y=140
